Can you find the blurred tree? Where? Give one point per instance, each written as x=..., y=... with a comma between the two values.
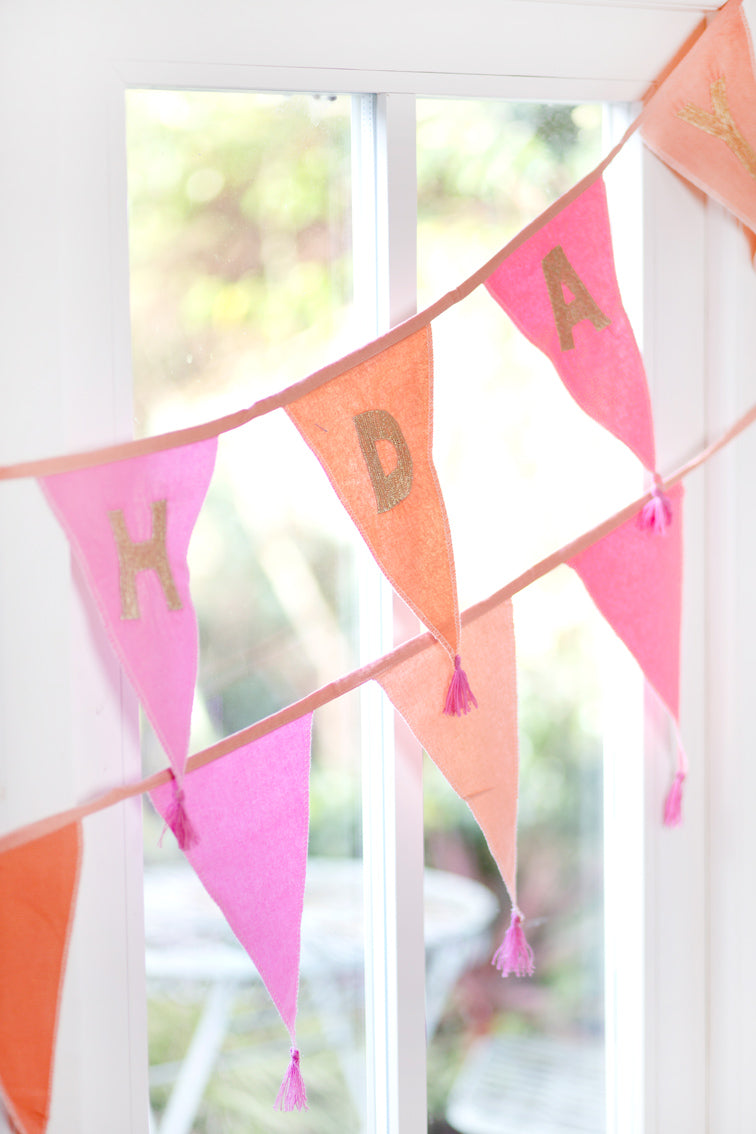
x=240, y=238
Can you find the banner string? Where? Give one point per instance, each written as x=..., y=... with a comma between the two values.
x=374, y=669
x=50, y=466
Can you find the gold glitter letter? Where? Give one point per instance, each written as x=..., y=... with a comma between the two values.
x=559, y=272
x=721, y=124
x=390, y=488
x=149, y=555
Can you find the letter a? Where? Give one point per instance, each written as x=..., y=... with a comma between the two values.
x=147, y=555
x=559, y=272
x=389, y=488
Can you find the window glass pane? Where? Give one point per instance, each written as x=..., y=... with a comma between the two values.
x=241, y=284
x=240, y=234
x=523, y=470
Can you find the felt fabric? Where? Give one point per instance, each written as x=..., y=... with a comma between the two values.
x=38, y=885
x=478, y=753
x=634, y=576
x=560, y=288
x=115, y=516
x=371, y=430
x=702, y=120
x=251, y=813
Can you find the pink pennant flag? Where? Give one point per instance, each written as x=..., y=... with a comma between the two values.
x=129, y=524
x=702, y=120
x=560, y=288
x=38, y=885
x=477, y=753
x=250, y=810
x=634, y=576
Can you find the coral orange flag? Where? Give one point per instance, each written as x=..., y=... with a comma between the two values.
x=478, y=754
x=38, y=883
x=371, y=430
x=702, y=120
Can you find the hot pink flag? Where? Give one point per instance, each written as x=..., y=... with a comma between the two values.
x=634, y=576
x=129, y=524
x=477, y=753
x=250, y=810
x=560, y=289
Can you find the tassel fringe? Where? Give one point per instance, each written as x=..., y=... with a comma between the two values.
x=460, y=697
x=514, y=955
x=179, y=822
x=656, y=514
x=292, y=1095
x=673, y=803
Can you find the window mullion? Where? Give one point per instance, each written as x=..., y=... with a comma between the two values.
x=385, y=195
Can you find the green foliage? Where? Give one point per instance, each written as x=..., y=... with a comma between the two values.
x=503, y=162
x=240, y=230
x=334, y=813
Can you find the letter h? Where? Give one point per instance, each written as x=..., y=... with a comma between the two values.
x=147, y=555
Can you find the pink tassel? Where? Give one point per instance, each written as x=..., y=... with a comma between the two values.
x=656, y=514
x=514, y=955
x=179, y=821
x=673, y=803
x=460, y=697
x=292, y=1095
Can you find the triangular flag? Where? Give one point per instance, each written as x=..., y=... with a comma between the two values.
x=250, y=810
x=371, y=430
x=478, y=753
x=702, y=120
x=38, y=883
x=560, y=288
x=129, y=524
x=634, y=576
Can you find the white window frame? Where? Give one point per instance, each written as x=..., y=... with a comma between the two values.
x=64, y=357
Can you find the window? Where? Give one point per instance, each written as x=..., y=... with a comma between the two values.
x=66, y=263
x=241, y=258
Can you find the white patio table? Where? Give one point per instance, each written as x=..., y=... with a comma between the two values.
x=188, y=941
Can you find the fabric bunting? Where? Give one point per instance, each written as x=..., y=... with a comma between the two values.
x=634, y=576
x=129, y=524
x=242, y=817
x=371, y=430
x=38, y=885
x=560, y=288
x=702, y=120
x=251, y=814
x=478, y=754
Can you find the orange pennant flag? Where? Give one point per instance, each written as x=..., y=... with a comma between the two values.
x=702, y=120
x=478, y=754
x=38, y=883
x=371, y=430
